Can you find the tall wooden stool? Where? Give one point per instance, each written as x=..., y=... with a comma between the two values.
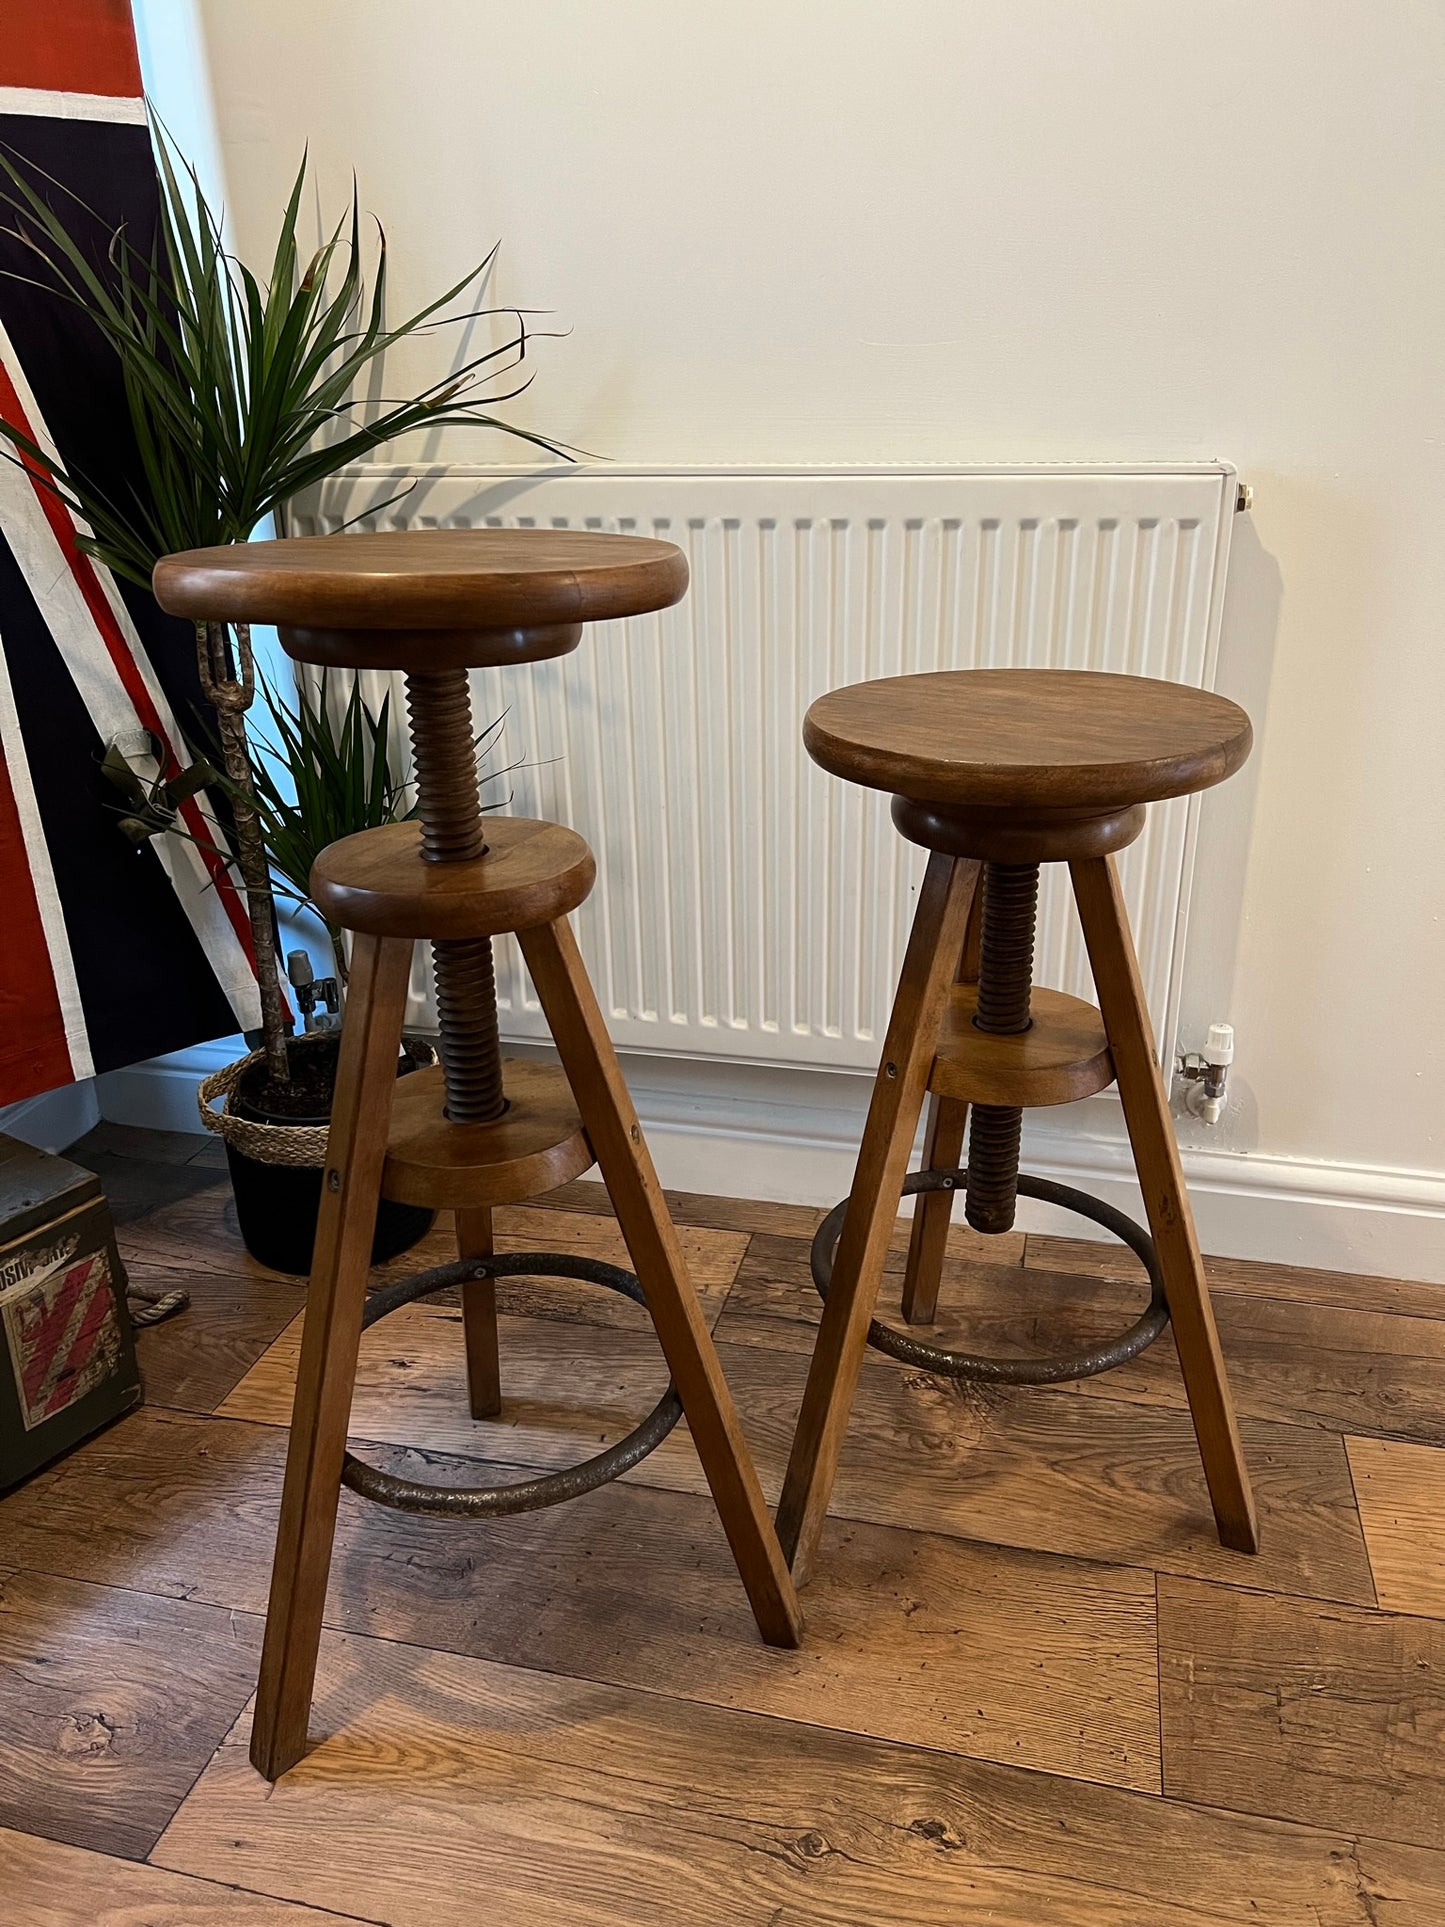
x=463, y=1137
x=996, y=771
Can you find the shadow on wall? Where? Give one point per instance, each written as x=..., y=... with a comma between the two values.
x=1288, y=731
x=1253, y=596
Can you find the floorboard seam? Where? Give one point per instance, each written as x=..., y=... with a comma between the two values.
x=257, y=1615
x=234, y=1886
x=431, y=1454
x=1158, y=1679
x=1369, y=1556
x=756, y=1714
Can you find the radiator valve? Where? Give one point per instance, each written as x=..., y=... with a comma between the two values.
x=312, y=990
x=1207, y=1072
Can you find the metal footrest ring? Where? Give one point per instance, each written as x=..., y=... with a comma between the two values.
x=1011, y=1371
x=525, y=1495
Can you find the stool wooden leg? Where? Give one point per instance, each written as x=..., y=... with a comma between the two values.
x=479, y=1315
x=355, y=1152
x=932, y=1210
x=908, y=1052
x=571, y=1009
x=942, y=1151
x=1171, y=1220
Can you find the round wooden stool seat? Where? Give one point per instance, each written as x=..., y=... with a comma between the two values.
x=536, y=1144
x=380, y=882
x=473, y=1133
x=998, y=772
x=1034, y=740
x=426, y=599
x=1061, y=1057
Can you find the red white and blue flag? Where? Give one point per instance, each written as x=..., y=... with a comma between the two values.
x=108, y=954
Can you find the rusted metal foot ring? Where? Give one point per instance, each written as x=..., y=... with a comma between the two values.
x=1012, y=1371
x=526, y=1495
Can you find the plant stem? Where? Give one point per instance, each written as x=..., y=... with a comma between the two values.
x=338, y=954
x=229, y=684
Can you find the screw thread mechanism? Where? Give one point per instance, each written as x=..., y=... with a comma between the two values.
x=466, y=987
x=1005, y=983
x=444, y=757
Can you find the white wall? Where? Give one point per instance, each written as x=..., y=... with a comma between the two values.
x=975, y=230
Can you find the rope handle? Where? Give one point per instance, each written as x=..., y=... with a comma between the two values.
x=294, y=1144
x=220, y=1084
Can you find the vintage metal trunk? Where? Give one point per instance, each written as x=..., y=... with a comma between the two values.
x=67, y=1356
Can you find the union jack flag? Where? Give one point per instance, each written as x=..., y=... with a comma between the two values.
x=108, y=954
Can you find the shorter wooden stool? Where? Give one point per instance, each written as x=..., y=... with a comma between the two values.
x=471, y=1135
x=997, y=771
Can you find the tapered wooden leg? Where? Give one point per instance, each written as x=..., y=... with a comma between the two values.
x=928, y=1240
x=908, y=1052
x=606, y=1109
x=479, y=1315
x=1156, y=1157
x=355, y=1152
x=942, y=1151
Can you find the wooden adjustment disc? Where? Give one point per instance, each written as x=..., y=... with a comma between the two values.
x=1064, y=1055
x=1015, y=835
x=379, y=881
x=536, y=1144
x=426, y=599
x=1030, y=739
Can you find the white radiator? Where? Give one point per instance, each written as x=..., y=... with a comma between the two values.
x=748, y=906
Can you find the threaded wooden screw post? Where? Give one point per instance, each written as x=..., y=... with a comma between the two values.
x=445, y=760
x=1005, y=981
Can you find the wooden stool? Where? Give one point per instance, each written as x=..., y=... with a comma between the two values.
x=997, y=771
x=433, y=603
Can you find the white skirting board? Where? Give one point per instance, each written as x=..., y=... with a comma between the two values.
x=791, y=1136
x=53, y=1119
x=1330, y=1217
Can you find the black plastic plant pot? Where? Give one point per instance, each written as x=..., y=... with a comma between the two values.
x=277, y=1205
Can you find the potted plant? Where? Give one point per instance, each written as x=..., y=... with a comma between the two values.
x=241, y=395
x=322, y=771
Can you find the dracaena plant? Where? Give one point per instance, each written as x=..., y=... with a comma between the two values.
x=338, y=778
x=241, y=393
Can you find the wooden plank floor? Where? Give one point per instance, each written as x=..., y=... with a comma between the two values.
x=1033, y=1691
